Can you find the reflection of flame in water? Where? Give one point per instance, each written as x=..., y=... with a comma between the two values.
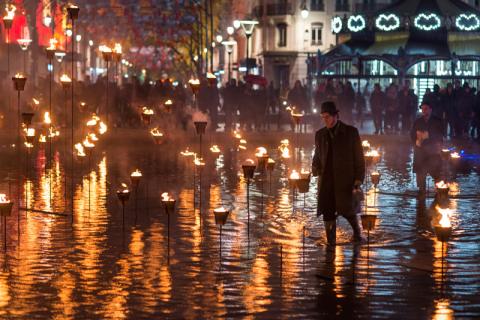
x=215, y=149
x=372, y=153
x=442, y=310
x=455, y=155
x=365, y=144
x=166, y=197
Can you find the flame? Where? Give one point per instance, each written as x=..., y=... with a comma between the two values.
x=52, y=132
x=65, y=78
x=91, y=122
x=237, y=135
x=104, y=48
x=30, y=132
x=220, y=210
x=19, y=75
x=80, y=150
x=28, y=144
x=46, y=118
x=117, y=48
x=194, y=82
x=242, y=147
x=249, y=162
x=24, y=43
x=156, y=132
x=211, y=76
x=372, y=153
x=445, y=220
x=168, y=102
x=187, y=153
x=260, y=152
x=442, y=185
x=3, y=198
x=147, y=111
x=270, y=160
x=87, y=143
x=53, y=44
x=294, y=175
x=35, y=101
x=198, y=161
x=455, y=155
x=92, y=137
x=10, y=9
x=42, y=138
x=365, y=144
x=284, y=148
x=102, y=128
x=166, y=197
x=243, y=141
x=215, y=149
x=124, y=188
x=303, y=171
x=136, y=173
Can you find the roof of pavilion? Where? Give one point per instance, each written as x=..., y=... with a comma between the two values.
x=409, y=30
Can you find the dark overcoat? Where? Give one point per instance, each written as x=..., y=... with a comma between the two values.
x=348, y=164
x=426, y=158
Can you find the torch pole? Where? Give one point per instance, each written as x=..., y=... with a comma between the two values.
x=123, y=216
x=220, y=246
x=19, y=162
x=4, y=233
x=50, y=135
x=168, y=236
x=248, y=207
x=65, y=152
x=72, y=137
x=106, y=98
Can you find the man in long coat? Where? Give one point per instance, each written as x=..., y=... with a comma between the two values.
x=340, y=166
x=427, y=135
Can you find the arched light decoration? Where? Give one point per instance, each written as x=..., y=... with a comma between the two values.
x=427, y=21
x=356, y=23
x=387, y=22
x=336, y=24
x=467, y=22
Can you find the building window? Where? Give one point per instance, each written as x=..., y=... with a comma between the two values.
x=317, y=34
x=317, y=5
x=341, y=5
x=282, y=34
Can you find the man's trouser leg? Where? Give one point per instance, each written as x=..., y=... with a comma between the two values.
x=331, y=231
x=421, y=181
x=355, y=224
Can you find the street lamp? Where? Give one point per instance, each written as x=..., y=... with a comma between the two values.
x=219, y=38
x=248, y=26
x=230, y=30
x=237, y=24
x=229, y=45
x=24, y=43
x=303, y=10
x=72, y=11
x=7, y=23
x=107, y=57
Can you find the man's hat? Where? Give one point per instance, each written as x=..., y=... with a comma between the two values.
x=329, y=107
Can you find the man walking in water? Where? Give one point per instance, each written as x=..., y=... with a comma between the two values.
x=339, y=164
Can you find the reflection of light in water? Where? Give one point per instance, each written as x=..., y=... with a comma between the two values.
x=442, y=310
x=437, y=263
x=339, y=264
x=4, y=290
x=28, y=186
x=257, y=292
x=371, y=201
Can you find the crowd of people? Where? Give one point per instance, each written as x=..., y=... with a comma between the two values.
x=394, y=108
x=251, y=106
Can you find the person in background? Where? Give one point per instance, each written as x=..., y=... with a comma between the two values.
x=377, y=104
x=427, y=136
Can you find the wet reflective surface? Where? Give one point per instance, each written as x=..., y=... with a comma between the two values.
x=274, y=263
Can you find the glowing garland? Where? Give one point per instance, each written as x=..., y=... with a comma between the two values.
x=427, y=21
x=336, y=24
x=356, y=23
x=387, y=22
x=467, y=22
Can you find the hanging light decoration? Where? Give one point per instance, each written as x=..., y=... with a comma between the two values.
x=356, y=23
